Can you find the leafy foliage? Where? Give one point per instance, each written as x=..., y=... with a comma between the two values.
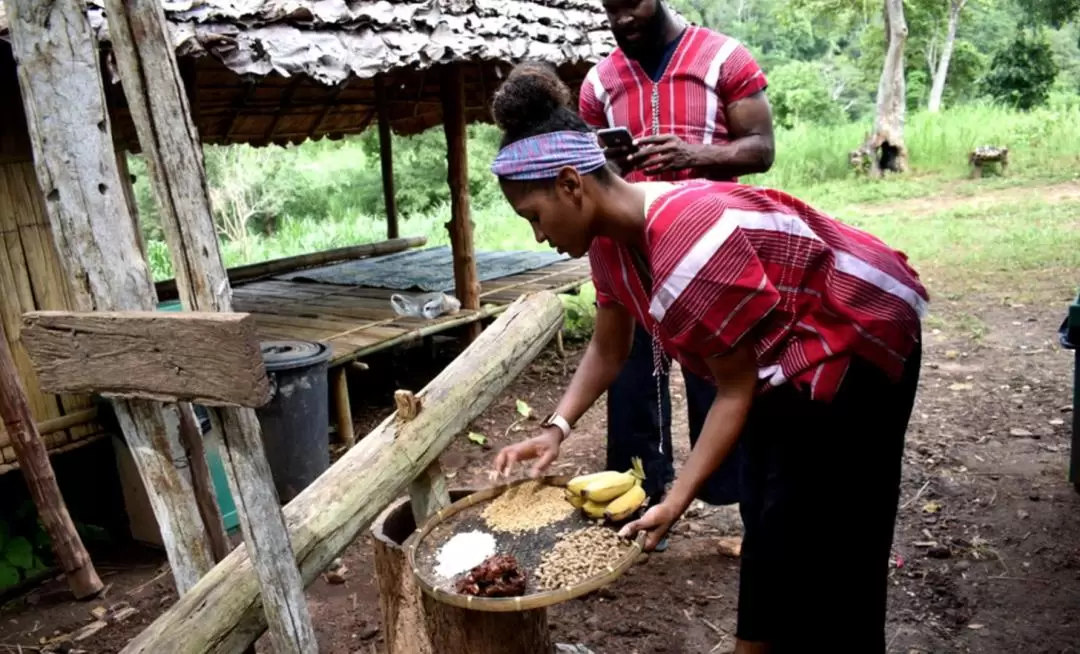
x=1023, y=72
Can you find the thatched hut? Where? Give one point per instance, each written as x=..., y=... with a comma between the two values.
x=284, y=72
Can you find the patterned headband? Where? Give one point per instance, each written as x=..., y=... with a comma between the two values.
x=543, y=156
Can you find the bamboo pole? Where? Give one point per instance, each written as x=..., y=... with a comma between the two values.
x=33, y=458
x=386, y=157
x=76, y=167
x=466, y=281
x=162, y=116
x=223, y=613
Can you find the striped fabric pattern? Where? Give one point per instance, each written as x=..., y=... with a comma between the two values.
x=544, y=155
x=707, y=72
x=731, y=261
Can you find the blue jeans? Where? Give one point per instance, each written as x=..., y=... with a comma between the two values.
x=634, y=426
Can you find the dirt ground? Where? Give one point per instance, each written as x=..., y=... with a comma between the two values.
x=987, y=547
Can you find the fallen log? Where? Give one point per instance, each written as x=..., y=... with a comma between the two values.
x=223, y=613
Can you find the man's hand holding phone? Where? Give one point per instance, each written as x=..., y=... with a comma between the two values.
x=618, y=145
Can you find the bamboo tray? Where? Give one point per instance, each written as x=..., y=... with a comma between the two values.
x=420, y=550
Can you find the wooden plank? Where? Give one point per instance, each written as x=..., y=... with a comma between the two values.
x=466, y=287
x=75, y=165
x=213, y=359
x=159, y=108
x=223, y=614
x=41, y=480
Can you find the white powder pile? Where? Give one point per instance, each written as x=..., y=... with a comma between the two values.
x=464, y=552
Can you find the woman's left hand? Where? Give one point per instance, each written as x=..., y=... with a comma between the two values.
x=655, y=522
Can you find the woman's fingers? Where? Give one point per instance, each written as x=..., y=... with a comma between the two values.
x=543, y=462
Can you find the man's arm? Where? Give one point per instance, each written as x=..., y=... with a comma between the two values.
x=752, y=146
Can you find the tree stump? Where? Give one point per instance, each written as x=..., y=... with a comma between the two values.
x=414, y=623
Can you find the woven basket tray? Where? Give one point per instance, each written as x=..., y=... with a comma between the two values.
x=464, y=515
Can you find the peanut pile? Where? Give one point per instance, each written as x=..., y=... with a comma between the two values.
x=580, y=555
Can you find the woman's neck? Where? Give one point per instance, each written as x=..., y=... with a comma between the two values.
x=622, y=214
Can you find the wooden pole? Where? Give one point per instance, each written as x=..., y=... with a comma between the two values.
x=33, y=458
x=386, y=157
x=204, y=484
x=75, y=162
x=223, y=614
x=466, y=284
x=342, y=407
x=170, y=141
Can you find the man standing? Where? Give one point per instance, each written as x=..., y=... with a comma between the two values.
x=694, y=102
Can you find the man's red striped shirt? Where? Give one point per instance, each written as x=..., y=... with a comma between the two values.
x=730, y=262
x=707, y=72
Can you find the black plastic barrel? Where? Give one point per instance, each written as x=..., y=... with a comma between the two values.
x=296, y=421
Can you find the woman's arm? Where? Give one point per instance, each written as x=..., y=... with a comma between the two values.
x=736, y=379
x=608, y=350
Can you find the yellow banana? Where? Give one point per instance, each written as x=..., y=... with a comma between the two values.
x=608, y=488
x=593, y=509
x=623, y=506
x=578, y=483
x=575, y=499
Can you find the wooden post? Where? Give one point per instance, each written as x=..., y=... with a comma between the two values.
x=204, y=484
x=342, y=408
x=223, y=613
x=428, y=491
x=161, y=113
x=75, y=162
x=33, y=459
x=386, y=157
x=466, y=286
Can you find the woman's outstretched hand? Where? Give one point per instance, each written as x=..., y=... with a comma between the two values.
x=544, y=448
x=655, y=523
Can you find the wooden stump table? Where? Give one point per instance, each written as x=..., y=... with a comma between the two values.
x=415, y=623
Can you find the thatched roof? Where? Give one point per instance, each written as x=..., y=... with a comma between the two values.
x=287, y=70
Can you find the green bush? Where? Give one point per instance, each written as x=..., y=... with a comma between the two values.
x=1023, y=72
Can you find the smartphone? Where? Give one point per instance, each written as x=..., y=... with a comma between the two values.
x=617, y=137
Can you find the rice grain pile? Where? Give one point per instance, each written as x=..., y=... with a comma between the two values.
x=580, y=555
x=527, y=507
x=463, y=552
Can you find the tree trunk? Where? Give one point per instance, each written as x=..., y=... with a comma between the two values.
x=159, y=108
x=223, y=614
x=41, y=480
x=76, y=166
x=886, y=143
x=942, y=72
x=461, y=631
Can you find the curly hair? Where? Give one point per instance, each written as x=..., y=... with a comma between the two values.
x=532, y=101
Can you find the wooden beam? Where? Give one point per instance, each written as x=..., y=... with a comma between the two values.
x=75, y=162
x=386, y=157
x=223, y=615
x=166, y=289
x=466, y=284
x=213, y=359
x=159, y=108
x=33, y=458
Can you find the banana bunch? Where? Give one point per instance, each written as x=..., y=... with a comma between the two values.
x=609, y=495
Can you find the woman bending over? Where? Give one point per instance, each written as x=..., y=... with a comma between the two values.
x=810, y=329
